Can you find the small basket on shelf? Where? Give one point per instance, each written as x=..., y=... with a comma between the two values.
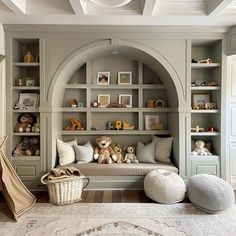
x=64, y=191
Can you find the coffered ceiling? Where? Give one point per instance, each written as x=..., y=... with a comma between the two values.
x=119, y=12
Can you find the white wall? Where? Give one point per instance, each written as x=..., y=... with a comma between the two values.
x=2, y=84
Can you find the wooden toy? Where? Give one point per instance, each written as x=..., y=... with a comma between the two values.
x=197, y=129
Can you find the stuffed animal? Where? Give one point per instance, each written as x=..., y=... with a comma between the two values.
x=75, y=125
x=200, y=149
x=25, y=122
x=130, y=157
x=36, y=126
x=103, y=153
x=34, y=148
x=21, y=147
x=119, y=153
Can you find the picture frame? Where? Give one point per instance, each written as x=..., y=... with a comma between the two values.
x=151, y=121
x=125, y=100
x=200, y=99
x=103, y=100
x=28, y=100
x=124, y=77
x=29, y=82
x=103, y=78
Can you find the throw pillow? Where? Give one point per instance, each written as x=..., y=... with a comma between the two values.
x=163, y=148
x=66, y=152
x=83, y=154
x=145, y=153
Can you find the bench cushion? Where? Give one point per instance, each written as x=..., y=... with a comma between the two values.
x=139, y=169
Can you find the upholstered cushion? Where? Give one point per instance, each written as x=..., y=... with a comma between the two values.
x=163, y=148
x=210, y=193
x=83, y=154
x=123, y=169
x=145, y=153
x=164, y=186
x=66, y=152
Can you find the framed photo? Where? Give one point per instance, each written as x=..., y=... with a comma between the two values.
x=28, y=100
x=151, y=121
x=103, y=100
x=29, y=82
x=199, y=100
x=125, y=100
x=124, y=77
x=103, y=78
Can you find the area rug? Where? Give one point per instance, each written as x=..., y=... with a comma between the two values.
x=128, y=219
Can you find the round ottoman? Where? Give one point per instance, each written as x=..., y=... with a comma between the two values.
x=164, y=186
x=210, y=193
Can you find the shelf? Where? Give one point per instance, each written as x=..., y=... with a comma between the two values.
x=24, y=64
x=205, y=133
x=25, y=111
x=72, y=109
x=204, y=158
x=26, y=87
x=26, y=158
x=115, y=86
x=26, y=134
x=205, y=111
x=117, y=132
x=204, y=65
x=200, y=88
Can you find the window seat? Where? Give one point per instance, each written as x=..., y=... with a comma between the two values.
x=119, y=176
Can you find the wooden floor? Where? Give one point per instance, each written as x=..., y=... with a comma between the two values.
x=108, y=196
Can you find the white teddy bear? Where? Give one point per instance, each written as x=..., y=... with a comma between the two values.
x=130, y=157
x=200, y=149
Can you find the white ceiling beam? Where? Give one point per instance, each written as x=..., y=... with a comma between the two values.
x=78, y=6
x=149, y=7
x=17, y=6
x=216, y=7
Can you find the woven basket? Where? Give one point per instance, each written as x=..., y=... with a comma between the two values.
x=65, y=191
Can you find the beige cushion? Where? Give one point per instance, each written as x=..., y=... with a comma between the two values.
x=134, y=169
x=145, y=153
x=83, y=153
x=66, y=152
x=163, y=148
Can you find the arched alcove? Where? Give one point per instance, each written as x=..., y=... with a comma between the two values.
x=90, y=59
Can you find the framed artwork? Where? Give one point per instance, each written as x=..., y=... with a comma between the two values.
x=199, y=100
x=151, y=121
x=103, y=78
x=28, y=100
x=125, y=100
x=124, y=77
x=29, y=82
x=103, y=100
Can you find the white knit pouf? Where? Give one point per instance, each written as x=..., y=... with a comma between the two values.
x=164, y=186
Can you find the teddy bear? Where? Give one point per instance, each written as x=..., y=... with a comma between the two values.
x=130, y=157
x=119, y=153
x=36, y=126
x=103, y=153
x=25, y=122
x=21, y=147
x=34, y=148
x=200, y=149
x=75, y=125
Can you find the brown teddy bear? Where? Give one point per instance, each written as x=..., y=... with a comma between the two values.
x=103, y=153
x=75, y=125
x=25, y=122
x=119, y=153
x=34, y=148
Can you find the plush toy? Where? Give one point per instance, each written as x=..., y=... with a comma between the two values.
x=200, y=149
x=118, y=152
x=103, y=153
x=36, y=126
x=34, y=148
x=75, y=125
x=25, y=122
x=21, y=147
x=130, y=157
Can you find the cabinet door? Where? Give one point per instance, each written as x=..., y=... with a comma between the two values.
x=205, y=167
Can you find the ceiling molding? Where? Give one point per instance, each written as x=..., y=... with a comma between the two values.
x=149, y=7
x=78, y=7
x=216, y=7
x=17, y=6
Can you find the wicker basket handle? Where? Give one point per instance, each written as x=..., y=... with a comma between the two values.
x=88, y=181
x=44, y=177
